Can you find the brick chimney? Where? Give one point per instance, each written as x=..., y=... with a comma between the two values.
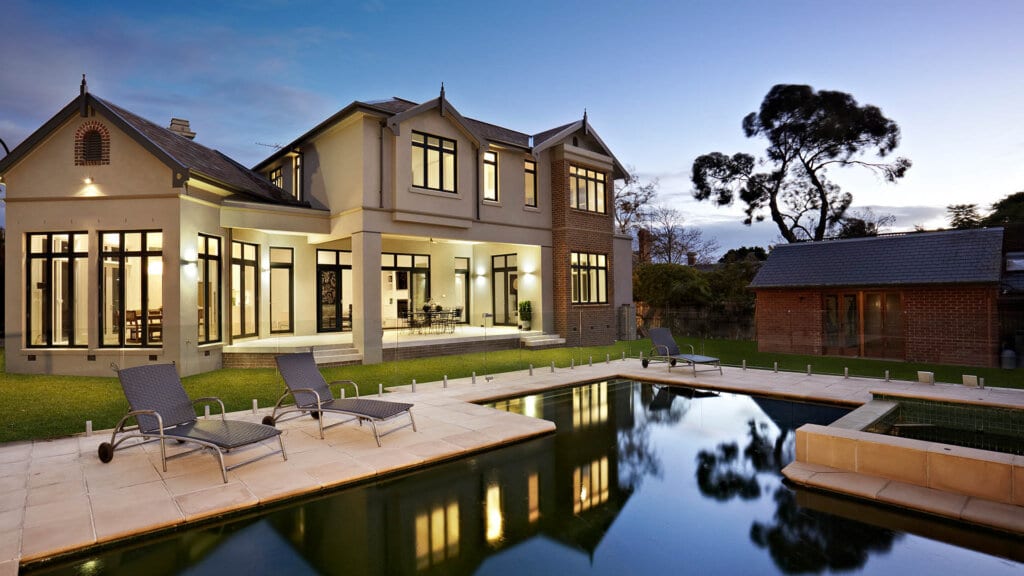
x=180, y=127
x=691, y=258
x=643, y=239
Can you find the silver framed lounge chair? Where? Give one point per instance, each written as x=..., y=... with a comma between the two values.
x=665, y=349
x=312, y=395
x=163, y=411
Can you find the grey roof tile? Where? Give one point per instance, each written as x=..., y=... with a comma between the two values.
x=950, y=257
x=205, y=161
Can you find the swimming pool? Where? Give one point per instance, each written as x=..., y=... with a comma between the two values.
x=639, y=479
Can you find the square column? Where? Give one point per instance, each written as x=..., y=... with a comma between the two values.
x=367, y=323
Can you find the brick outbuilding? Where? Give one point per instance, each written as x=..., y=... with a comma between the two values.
x=922, y=297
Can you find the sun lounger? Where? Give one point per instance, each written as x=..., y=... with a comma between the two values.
x=311, y=395
x=665, y=349
x=163, y=411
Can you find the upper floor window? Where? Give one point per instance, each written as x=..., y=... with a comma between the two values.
x=530, y=187
x=433, y=162
x=589, y=278
x=586, y=189
x=491, y=176
x=277, y=177
x=298, y=177
x=92, y=144
x=58, y=289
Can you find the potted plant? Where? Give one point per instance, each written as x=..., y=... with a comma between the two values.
x=525, y=314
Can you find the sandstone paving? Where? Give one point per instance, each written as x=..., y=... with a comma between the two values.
x=55, y=495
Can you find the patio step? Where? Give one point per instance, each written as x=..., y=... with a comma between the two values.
x=337, y=354
x=536, y=340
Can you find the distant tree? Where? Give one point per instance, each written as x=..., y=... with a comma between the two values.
x=633, y=202
x=1005, y=211
x=963, y=216
x=670, y=285
x=808, y=132
x=864, y=223
x=671, y=240
x=744, y=253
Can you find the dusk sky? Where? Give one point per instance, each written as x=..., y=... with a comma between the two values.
x=663, y=82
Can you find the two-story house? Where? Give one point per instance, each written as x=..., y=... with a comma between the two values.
x=132, y=243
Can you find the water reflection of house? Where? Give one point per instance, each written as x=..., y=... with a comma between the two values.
x=450, y=518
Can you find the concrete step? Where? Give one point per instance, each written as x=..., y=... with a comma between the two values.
x=542, y=340
x=337, y=354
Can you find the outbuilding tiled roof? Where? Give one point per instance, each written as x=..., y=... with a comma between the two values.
x=950, y=257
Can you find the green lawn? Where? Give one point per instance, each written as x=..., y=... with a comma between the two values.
x=34, y=407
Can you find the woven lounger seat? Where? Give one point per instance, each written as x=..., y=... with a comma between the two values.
x=312, y=395
x=665, y=349
x=162, y=410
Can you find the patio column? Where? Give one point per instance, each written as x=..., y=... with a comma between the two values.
x=367, y=328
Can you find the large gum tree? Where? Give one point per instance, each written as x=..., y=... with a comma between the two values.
x=808, y=133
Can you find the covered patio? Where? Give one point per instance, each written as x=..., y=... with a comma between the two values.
x=397, y=343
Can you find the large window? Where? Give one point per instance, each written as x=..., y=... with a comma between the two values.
x=277, y=177
x=589, y=278
x=208, y=294
x=282, y=281
x=58, y=273
x=586, y=189
x=132, y=306
x=530, y=187
x=245, y=293
x=433, y=162
x=491, y=176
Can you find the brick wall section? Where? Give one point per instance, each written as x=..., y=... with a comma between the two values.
x=788, y=321
x=580, y=231
x=952, y=325
x=92, y=126
x=941, y=324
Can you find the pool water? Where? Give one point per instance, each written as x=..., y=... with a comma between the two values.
x=638, y=479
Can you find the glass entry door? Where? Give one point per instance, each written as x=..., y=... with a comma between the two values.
x=334, y=289
x=883, y=325
x=505, y=290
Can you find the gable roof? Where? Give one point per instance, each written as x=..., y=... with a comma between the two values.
x=186, y=158
x=552, y=137
x=396, y=110
x=950, y=257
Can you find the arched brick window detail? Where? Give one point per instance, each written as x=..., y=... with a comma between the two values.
x=92, y=144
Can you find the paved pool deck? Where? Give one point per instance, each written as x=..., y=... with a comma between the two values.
x=56, y=496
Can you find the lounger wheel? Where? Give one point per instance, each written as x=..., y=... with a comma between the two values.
x=268, y=421
x=315, y=415
x=106, y=452
x=672, y=362
x=645, y=362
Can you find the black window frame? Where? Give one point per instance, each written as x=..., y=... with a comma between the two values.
x=243, y=263
x=491, y=164
x=290, y=267
x=595, y=201
x=579, y=270
x=48, y=255
x=298, y=177
x=212, y=312
x=145, y=339
x=423, y=148
x=529, y=168
x=276, y=177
